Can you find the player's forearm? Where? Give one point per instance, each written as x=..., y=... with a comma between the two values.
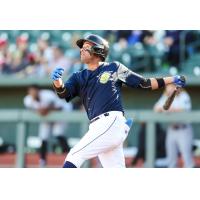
x=58, y=83
x=168, y=80
x=157, y=83
x=60, y=88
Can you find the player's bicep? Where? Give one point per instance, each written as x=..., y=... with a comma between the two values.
x=129, y=77
x=69, y=90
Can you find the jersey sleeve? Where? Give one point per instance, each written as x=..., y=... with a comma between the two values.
x=128, y=77
x=54, y=100
x=30, y=104
x=185, y=102
x=161, y=101
x=72, y=87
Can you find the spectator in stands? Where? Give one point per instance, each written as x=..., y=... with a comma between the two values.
x=44, y=49
x=123, y=34
x=4, y=57
x=43, y=102
x=153, y=54
x=172, y=43
x=119, y=48
x=135, y=37
x=44, y=56
x=21, y=58
x=179, y=135
x=59, y=59
x=4, y=67
x=3, y=47
x=73, y=55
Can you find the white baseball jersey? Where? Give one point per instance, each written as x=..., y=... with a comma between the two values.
x=179, y=136
x=48, y=98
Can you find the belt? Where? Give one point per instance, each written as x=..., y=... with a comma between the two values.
x=96, y=118
x=181, y=126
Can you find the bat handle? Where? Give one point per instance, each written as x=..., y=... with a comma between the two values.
x=178, y=88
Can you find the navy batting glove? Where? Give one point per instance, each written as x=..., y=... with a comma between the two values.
x=57, y=73
x=179, y=81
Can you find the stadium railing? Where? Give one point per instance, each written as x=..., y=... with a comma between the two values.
x=14, y=81
x=22, y=117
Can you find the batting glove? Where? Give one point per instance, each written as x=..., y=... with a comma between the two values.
x=179, y=81
x=57, y=73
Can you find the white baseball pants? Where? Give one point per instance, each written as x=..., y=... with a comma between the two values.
x=104, y=139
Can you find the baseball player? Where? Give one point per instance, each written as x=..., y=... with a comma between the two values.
x=99, y=87
x=179, y=135
x=44, y=101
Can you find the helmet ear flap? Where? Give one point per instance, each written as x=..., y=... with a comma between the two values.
x=98, y=51
x=92, y=50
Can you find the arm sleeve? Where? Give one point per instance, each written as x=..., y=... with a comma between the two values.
x=131, y=78
x=72, y=87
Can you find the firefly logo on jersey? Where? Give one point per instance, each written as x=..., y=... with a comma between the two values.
x=104, y=78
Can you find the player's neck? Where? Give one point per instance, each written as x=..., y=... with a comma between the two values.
x=93, y=65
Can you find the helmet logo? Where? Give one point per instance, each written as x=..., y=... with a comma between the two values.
x=104, y=78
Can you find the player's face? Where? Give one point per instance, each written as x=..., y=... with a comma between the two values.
x=33, y=92
x=86, y=56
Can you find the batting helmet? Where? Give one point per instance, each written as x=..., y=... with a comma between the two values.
x=100, y=47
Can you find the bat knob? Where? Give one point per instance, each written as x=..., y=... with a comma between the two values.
x=179, y=80
x=183, y=78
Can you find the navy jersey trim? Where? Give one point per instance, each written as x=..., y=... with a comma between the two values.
x=96, y=137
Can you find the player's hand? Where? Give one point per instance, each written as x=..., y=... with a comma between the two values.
x=57, y=73
x=179, y=81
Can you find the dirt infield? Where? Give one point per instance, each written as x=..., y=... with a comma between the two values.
x=56, y=161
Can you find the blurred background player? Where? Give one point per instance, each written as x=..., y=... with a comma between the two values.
x=44, y=101
x=179, y=135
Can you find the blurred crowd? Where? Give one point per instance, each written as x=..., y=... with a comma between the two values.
x=142, y=51
x=37, y=53
x=37, y=58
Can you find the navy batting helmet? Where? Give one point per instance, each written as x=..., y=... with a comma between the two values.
x=100, y=47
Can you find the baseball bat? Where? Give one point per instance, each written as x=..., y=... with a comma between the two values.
x=170, y=99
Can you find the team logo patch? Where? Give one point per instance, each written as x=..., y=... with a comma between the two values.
x=105, y=77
